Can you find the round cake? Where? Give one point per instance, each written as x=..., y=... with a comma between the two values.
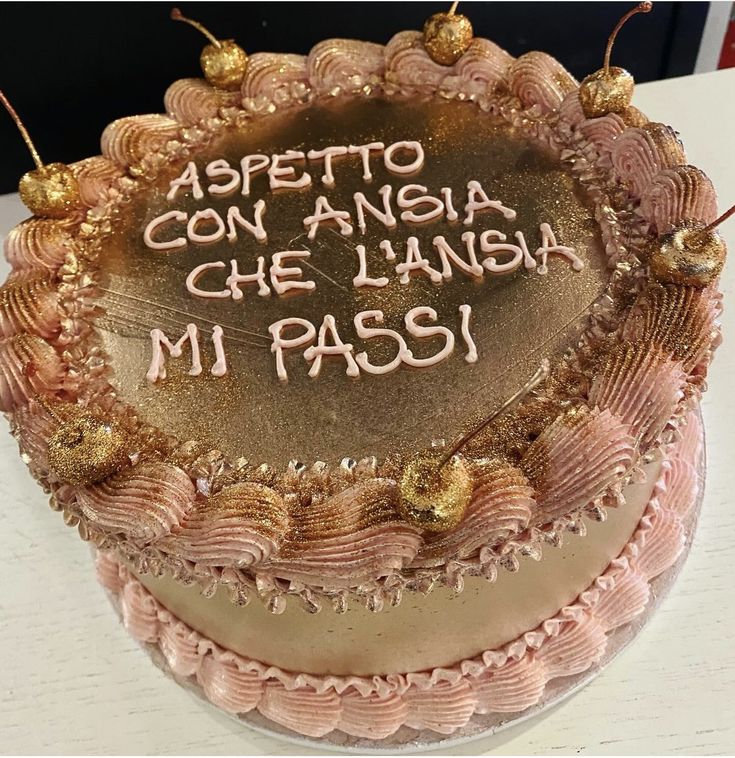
x=372, y=374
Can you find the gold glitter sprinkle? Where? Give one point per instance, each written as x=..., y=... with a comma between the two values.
x=434, y=497
x=254, y=502
x=447, y=37
x=674, y=318
x=87, y=449
x=51, y=191
x=688, y=255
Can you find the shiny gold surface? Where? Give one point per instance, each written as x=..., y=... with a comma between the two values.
x=518, y=319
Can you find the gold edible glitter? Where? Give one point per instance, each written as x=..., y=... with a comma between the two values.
x=435, y=494
x=87, y=449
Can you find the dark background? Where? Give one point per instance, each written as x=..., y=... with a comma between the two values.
x=71, y=68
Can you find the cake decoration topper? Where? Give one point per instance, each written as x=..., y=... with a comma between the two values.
x=87, y=445
x=49, y=190
x=447, y=36
x=223, y=61
x=690, y=255
x=436, y=488
x=610, y=89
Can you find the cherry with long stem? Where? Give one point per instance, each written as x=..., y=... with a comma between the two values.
x=22, y=129
x=177, y=15
x=640, y=8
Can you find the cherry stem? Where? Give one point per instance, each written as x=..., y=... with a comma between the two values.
x=177, y=15
x=453, y=8
x=539, y=376
x=21, y=128
x=721, y=220
x=640, y=8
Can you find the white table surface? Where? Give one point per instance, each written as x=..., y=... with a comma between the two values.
x=72, y=681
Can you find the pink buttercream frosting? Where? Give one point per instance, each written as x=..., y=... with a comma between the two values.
x=601, y=438
x=342, y=66
x=602, y=133
x=678, y=194
x=274, y=80
x=192, y=101
x=145, y=502
x=409, y=68
x=129, y=140
x=30, y=305
x=39, y=244
x=506, y=680
x=354, y=545
x=639, y=153
x=538, y=79
x=96, y=176
x=642, y=387
x=27, y=367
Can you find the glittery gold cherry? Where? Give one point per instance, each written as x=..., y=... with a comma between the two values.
x=50, y=190
x=690, y=254
x=88, y=447
x=436, y=486
x=610, y=89
x=447, y=36
x=435, y=494
x=223, y=62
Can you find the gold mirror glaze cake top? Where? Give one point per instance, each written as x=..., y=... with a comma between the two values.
x=369, y=323
x=518, y=316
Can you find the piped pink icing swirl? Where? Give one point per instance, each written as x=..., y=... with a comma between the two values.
x=599, y=438
x=227, y=685
x=574, y=649
x=602, y=133
x=130, y=140
x=180, y=646
x=140, y=612
x=664, y=540
x=630, y=596
x=305, y=711
x=443, y=708
x=481, y=71
x=355, y=544
x=29, y=304
x=274, y=80
x=409, y=68
x=570, y=110
x=343, y=66
x=372, y=716
x=681, y=193
x=33, y=426
x=642, y=387
x=39, y=243
x=223, y=531
x=639, y=153
x=511, y=688
x=145, y=502
x=28, y=367
x=538, y=79
x=96, y=176
x=191, y=101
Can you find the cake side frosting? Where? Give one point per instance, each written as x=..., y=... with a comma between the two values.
x=638, y=170
x=505, y=680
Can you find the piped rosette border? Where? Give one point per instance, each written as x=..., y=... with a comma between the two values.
x=507, y=680
x=175, y=507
